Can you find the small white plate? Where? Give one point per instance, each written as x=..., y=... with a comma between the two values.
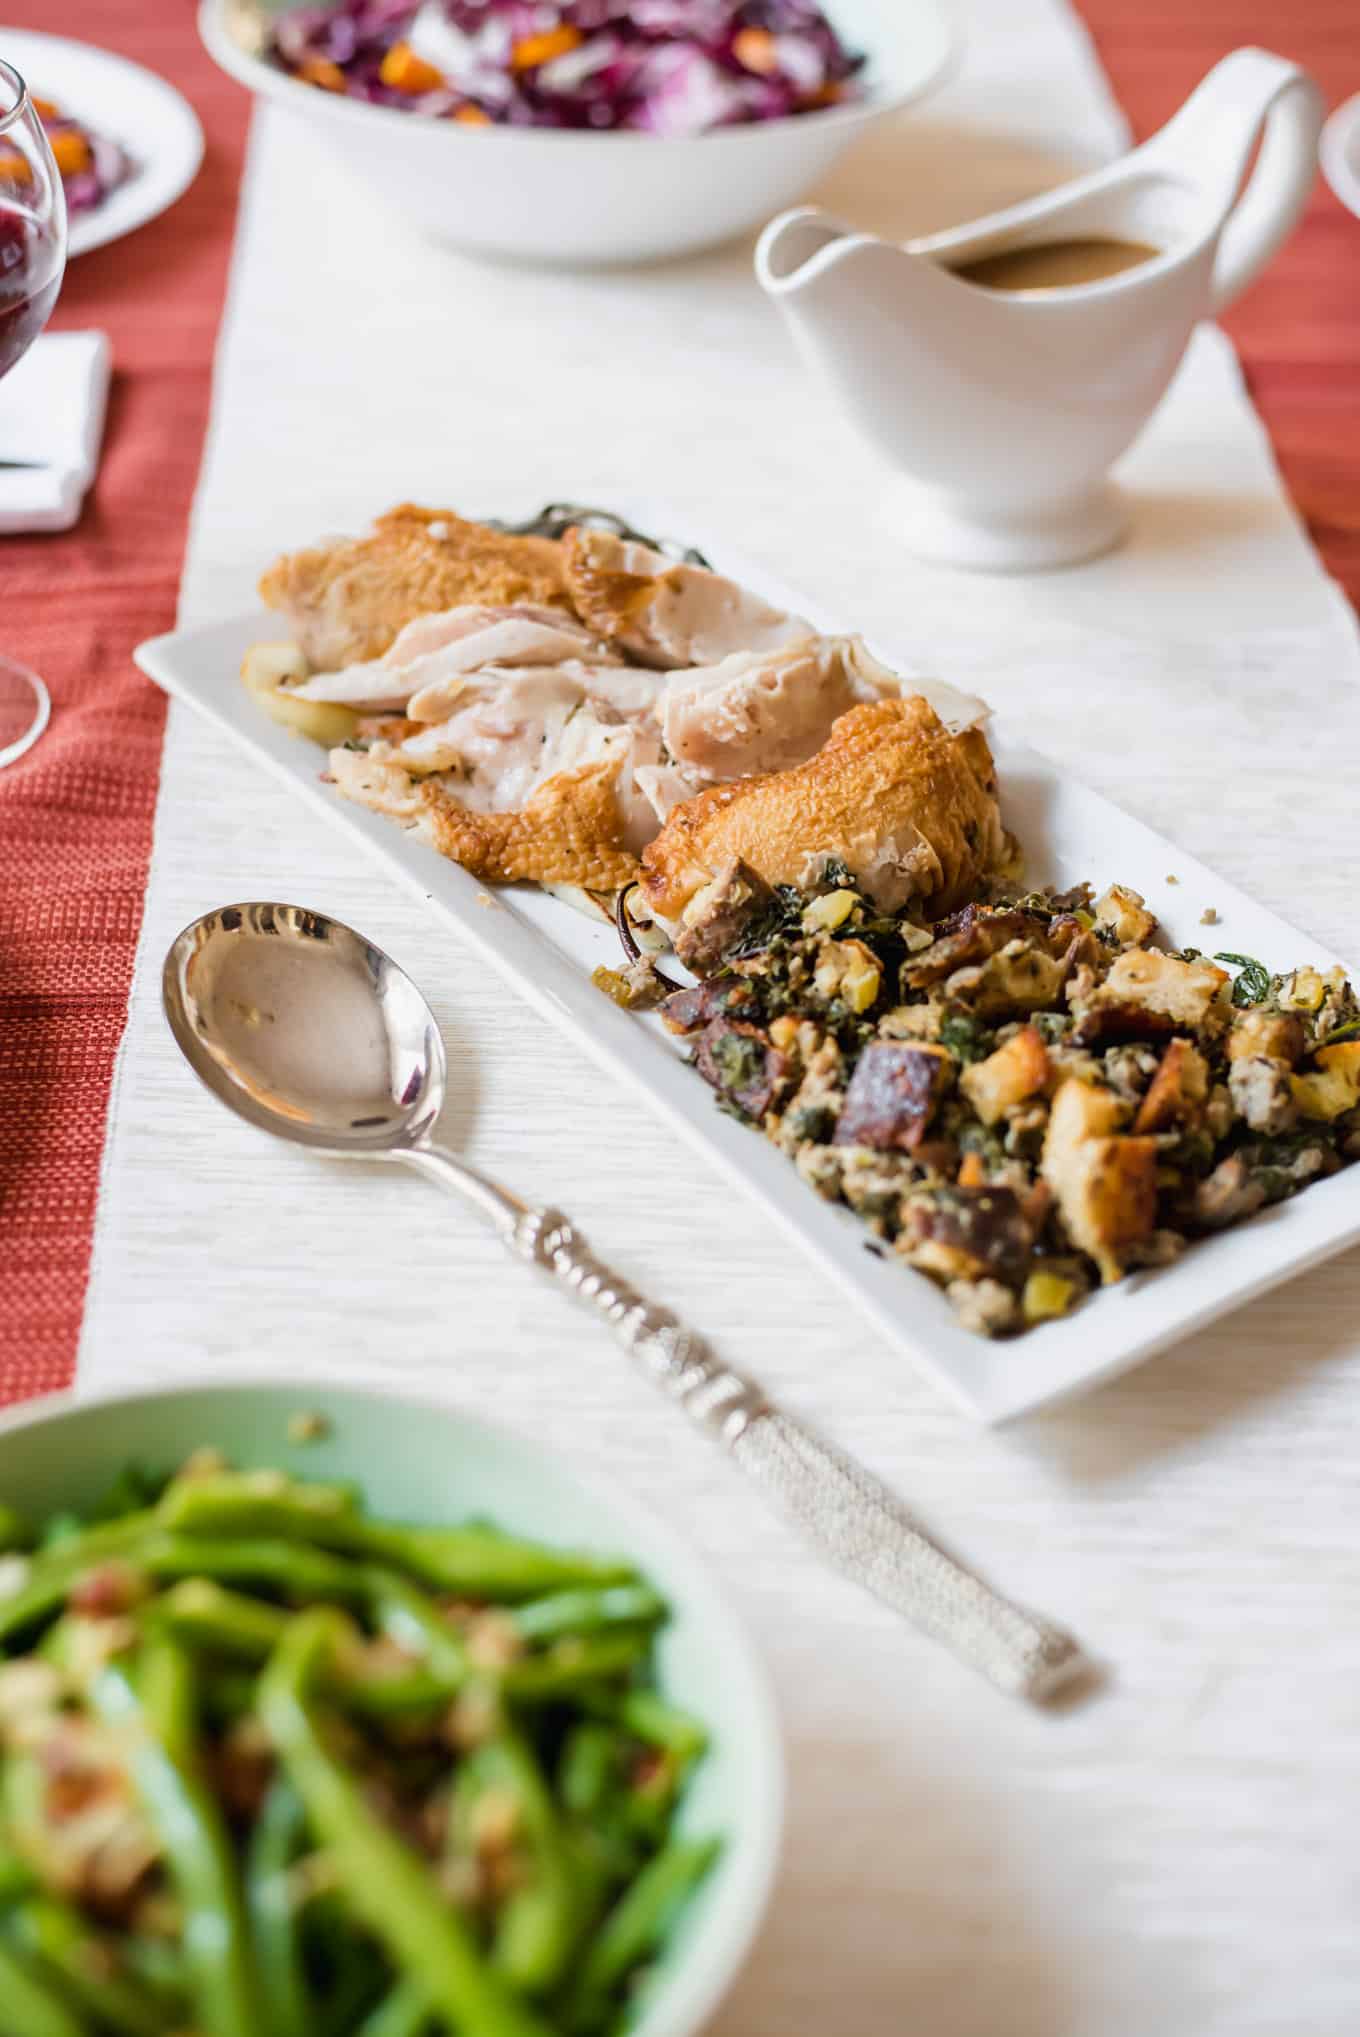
x=1339, y=150
x=547, y=951
x=147, y=117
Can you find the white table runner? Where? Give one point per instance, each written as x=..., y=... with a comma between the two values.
x=1179, y=1856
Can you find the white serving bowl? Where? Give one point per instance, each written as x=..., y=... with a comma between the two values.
x=549, y=195
x=1340, y=153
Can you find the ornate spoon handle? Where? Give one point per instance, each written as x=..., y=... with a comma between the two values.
x=856, y=1523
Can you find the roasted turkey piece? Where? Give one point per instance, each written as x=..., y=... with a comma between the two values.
x=909, y=808
x=347, y=599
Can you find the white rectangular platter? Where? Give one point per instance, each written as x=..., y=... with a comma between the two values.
x=547, y=951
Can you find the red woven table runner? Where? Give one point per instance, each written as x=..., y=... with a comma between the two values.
x=1298, y=329
x=76, y=813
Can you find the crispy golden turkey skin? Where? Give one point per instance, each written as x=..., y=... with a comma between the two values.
x=347, y=600
x=908, y=807
x=569, y=830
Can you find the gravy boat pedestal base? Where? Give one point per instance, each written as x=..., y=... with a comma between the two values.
x=1036, y=539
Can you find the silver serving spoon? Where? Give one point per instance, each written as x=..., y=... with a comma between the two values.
x=305, y=1029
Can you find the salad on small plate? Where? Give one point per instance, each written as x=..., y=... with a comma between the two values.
x=126, y=143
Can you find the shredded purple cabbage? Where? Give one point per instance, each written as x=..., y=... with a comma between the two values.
x=665, y=67
x=107, y=166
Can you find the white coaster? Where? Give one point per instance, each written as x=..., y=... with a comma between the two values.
x=51, y=424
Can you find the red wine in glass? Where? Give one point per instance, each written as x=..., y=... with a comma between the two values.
x=25, y=308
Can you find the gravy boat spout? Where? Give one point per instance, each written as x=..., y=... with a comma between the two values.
x=1002, y=391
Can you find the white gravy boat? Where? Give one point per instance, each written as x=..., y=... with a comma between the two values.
x=1006, y=408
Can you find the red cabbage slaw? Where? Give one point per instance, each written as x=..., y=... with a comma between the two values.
x=91, y=165
x=662, y=67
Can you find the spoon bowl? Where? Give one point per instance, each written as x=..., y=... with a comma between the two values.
x=305, y=1029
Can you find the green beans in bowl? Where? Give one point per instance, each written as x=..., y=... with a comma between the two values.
x=342, y=1716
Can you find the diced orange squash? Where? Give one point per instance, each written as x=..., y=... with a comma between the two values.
x=321, y=71
x=754, y=49
x=1335, y=1088
x=46, y=109
x=14, y=168
x=71, y=152
x=473, y=116
x=532, y=50
x=404, y=71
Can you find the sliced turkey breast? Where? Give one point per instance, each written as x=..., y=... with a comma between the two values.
x=665, y=614
x=766, y=711
x=424, y=669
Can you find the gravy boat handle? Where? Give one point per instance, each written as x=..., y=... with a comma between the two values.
x=1250, y=96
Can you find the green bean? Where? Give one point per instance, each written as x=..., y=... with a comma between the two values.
x=586, y=1612
x=52, y=1572
x=280, y=1978
x=405, y=2012
x=23, y=1804
x=410, y=1694
x=402, y=1610
x=165, y=1689
x=159, y=1965
x=411, y=1618
x=362, y=1976
x=206, y=1616
x=55, y=1645
x=291, y=1567
x=648, y=1803
x=86, y=1967
x=16, y=1876
x=587, y=1767
x=188, y=1821
x=30, y=2009
x=15, y=1533
x=649, y=1717
x=347, y=1971
x=254, y=1503
x=475, y=1562
x=134, y=1489
x=640, y=1920
x=386, y=1884
x=227, y=1696
x=572, y=1667
x=537, y=1925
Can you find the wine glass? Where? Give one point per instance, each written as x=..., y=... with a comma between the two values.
x=32, y=258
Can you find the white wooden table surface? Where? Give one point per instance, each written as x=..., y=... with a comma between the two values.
x=1179, y=1856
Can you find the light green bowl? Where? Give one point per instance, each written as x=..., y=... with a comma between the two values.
x=420, y=1461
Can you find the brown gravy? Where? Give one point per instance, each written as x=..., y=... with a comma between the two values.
x=1056, y=264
